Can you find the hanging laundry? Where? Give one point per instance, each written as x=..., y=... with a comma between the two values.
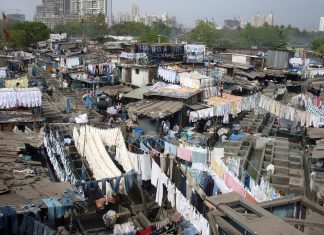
x=54, y=208
x=20, y=97
x=233, y=184
x=184, y=154
x=168, y=75
x=209, y=92
x=133, y=55
x=199, y=157
x=194, y=48
x=55, y=150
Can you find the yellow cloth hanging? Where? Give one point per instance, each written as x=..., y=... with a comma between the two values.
x=217, y=168
x=12, y=83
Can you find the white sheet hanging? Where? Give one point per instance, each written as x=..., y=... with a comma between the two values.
x=20, y=97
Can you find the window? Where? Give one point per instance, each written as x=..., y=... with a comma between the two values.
x=137, y=71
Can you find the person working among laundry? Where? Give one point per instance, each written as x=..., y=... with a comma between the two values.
x=114, y=121
x=88, y=100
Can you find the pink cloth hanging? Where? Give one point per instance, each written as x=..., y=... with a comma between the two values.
x=233, y=184
x=184, y=154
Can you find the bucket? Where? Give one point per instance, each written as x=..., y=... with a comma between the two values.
x=136, y=129
x=138, y=132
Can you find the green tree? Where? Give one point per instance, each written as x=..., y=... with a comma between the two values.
x=95, y=26
x=25, y=34
x=17, y=39
x=203, y=33
x=35, y=31
x=129, y=29
x=152, y=37
x=318, y=45
x=156, y=31
x=162, y=29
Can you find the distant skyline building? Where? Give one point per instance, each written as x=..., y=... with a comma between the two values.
x=93, y=7
x=211, y=22
x=124, y=17
x=259, y=20
x=135, y=12
x=234, y=23
x=53, y=12
x=147, y=19
x=17, y=17
x=268, y=19
x=110, y=17
x=321, y=25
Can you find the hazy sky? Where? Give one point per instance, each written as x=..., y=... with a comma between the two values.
x=301, y=13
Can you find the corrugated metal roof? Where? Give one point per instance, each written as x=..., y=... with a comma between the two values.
x=13, y=200
x=137, y=93
x=24, y=189
x=183, y=93
x=115, y=90
x=154, y=108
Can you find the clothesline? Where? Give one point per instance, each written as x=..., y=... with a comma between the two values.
x=10, y=90
x=232, y=170
x=232, y=105
x=24, y=97
x=290, y=113
x=252, y=190
x=160, y=178
x=133, y=55
x=154, y=169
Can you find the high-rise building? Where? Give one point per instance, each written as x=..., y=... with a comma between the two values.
x=268, y=19
x=17, y=17
x=259, y=20
x=321, y=26
x=53, y=12
x=124, y=17
x=149, y=20
x=75, y=6
x=93, y=7
x=135, y=12
x=211, y=22
x=109, y=13
x=234, y=23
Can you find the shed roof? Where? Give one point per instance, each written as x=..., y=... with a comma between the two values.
x=115, y=90
x=235, y=65
x=173, y=91
x=250, y=85
x=19, y=116
x=23, y=189
x=137, y=93
x=154, y=108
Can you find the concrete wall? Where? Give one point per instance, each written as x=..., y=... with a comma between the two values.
x=279, y=59
x=140, y=79
x=262, y=141
x=241, y=59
